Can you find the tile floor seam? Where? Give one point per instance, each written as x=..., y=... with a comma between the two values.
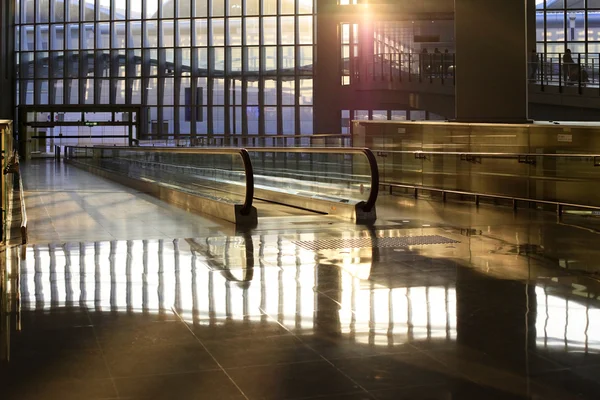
x=209, y=353
x=317, y=353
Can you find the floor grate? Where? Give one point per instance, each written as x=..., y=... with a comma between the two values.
x=386, y=242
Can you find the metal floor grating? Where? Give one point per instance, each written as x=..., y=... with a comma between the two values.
x=386, y=242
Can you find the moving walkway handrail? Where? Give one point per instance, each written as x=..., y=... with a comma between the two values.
x=243, y=153
x=370, y=203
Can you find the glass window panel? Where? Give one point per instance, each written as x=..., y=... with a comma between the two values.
x=72, y=39
x=306, y=57
x=41, y=33
x=235, y=31
x=539, y=26
x=166, y=34
x=103, y=10
x=306, y=91
x=72, y=91
x=27, y=34
x=88, y=15
x=287, y=6
x=305, y=6
x=218, y=119
x=269, y=30
x=269, y=7
x=151, y=91
x=200, y=9
x=217, y=8
x=135, y=34
x=120, y=91
x=18, y=39
x=135, y=9
x=104, y=87
x=555, y=4
x=398, y=115
x=57, y=10
x=576, y=26
x=57, y=37
x=150, y=34
x=305, y=30
x=58, y=92
x=252, y=93
x=28, y=11
x=43, y=10
x=252, y=59
x=151, y=8
x=252, y=7
x=217, y=35
x=87, y=36
x=289, y=120
x=235, y=59
x=288, y=93
x=593, y=3
x=168, y=10
x=201, y=61
x=18, y=6
x=183, y=33
x=235, y=7
x=119, y=35
x=168, y=92
x=218, y=60
x=287, y=30
x=270, y=92
x=183, y=8
x=103, y=35
x=571, y=4
x=270, y=114
x=306, y=120
x=201, y=27
x=41, y=64
x=287, y=59
x=252, y=31
x=136, y=91
x=88, y=94
x=269, y=59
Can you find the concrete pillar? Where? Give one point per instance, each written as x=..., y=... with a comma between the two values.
x=491, y=61
x=326, y=115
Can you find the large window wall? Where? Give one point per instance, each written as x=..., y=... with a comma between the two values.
x=568, y=24
x=200, y=66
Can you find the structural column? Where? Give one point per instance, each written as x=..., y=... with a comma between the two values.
x=491, y=61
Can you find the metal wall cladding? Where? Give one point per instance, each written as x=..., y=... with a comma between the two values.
x=542, y=161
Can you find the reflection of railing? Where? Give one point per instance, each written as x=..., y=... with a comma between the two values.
x=563, y=180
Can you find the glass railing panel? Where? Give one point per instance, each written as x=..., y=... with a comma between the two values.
x=216, y=174
x=338, y=175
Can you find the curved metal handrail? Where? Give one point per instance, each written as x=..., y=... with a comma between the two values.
x=370, y=203
x=248, y=170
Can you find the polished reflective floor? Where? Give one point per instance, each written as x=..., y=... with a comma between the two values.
x=434, y=301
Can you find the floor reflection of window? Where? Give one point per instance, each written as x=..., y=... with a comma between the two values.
x=566, y=322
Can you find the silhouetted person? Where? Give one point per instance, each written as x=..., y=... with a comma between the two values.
x=568, y=65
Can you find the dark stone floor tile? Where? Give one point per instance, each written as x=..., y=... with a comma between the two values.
x=291, y=381
x=261, y=350
x=213, y=385
x=334, y=347
x=159, y=359
x=54, y=340
x=52, y=389
x=76, y=364
x=397, y=370
x=566, y=385
x=136, y=332
x=64, y=317
x=238, y=330
x=569, y=358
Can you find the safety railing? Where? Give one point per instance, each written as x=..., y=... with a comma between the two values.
x=224, y=175
x=340, y=175
x=565, y=180
x=338, y=181
x=555, y=69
